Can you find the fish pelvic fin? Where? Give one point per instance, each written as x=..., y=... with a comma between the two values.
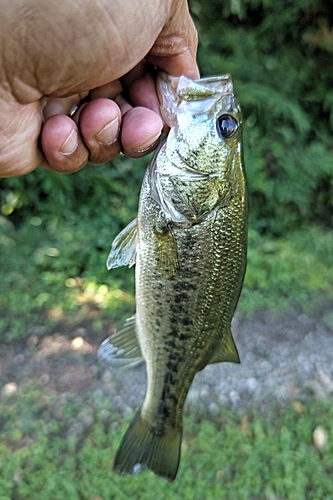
x=123, y=249
x=166, y=254
x=121, y=349
x=226, y=352
x=140, y=448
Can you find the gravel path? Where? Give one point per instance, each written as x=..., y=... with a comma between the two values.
x=284, y=357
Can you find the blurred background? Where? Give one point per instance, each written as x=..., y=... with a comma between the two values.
x=55, y=235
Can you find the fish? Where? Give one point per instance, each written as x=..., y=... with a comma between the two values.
x=189, y=244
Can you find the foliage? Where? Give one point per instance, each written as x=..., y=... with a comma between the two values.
x=55, y=266
x=280, y=56
x=62, y=448
x=102, y=191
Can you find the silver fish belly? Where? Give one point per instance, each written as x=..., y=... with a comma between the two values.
x=189, y=246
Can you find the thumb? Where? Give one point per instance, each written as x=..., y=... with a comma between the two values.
x=175, y=48
x=20, y=128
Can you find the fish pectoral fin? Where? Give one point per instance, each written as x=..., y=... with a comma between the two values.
x=227, y=351
x=123, y=249
x=121, y=349
x=166, y=254
x=140, y=448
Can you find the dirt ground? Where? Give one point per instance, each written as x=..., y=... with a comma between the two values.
x=284, y=357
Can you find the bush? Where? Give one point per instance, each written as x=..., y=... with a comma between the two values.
x=280, y=57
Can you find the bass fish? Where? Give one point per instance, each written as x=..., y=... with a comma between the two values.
x=189, y=245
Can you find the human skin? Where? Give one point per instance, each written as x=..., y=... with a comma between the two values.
x=54, y=54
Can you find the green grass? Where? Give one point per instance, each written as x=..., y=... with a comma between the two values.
x=53, y=270
x=248, y=456
x=296, y=270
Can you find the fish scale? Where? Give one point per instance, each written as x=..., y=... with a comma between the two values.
x=189, y=246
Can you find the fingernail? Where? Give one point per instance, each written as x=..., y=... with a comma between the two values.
x=109, y=133
x=147, y=145
x=70, y=144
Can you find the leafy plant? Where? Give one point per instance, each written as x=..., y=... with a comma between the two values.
x=279, y=54
x=280, y=57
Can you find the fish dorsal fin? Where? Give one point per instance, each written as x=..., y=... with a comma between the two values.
x=121, y=349
x=226, y=352
x=123, y=249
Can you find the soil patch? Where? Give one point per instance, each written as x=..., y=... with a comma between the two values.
x=284, y=357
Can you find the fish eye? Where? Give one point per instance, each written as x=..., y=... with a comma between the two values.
x=227, y=125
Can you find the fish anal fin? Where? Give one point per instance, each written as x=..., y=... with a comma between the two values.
x=140, y=449
x=121, y=349
x=226, y=352
x=123, y=249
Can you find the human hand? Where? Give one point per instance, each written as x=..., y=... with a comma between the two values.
x=56, y=54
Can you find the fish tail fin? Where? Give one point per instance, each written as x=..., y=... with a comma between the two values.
x=141, y=448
